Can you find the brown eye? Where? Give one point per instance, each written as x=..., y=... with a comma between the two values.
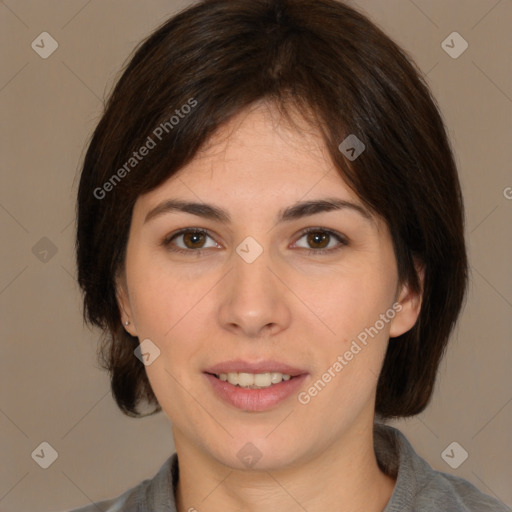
x=193, y=241
x=318, y=241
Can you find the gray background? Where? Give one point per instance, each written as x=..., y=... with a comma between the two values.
x=51, y=388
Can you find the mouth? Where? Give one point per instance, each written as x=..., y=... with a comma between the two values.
x=254, y=387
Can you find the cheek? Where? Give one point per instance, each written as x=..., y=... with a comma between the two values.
x=171, y=310
x=350, y=302
x=168, y=312
x=162, y=297
x=351, y=305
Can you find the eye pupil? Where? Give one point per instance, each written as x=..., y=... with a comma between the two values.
x=193, y=236
x=317, y=238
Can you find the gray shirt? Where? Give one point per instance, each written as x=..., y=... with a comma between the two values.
x=418, y=488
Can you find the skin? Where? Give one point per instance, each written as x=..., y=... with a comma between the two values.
x=289, y=304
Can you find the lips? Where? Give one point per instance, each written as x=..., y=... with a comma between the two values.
x=255, y=400
x=241, y=366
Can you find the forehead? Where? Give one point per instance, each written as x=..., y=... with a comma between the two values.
x=260, y=151
x=264, y=125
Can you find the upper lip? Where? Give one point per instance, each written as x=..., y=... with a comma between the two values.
x=267, y=365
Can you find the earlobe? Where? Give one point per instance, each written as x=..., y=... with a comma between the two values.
x=410, y=306
x=123, y=303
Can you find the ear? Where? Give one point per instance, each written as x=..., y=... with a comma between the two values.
x=123, y=302
x=410, y=303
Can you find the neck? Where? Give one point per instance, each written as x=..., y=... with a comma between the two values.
x=346, y=473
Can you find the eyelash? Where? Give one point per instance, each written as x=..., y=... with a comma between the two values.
x=166, y=242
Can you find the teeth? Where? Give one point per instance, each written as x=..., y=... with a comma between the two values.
x=253, y=380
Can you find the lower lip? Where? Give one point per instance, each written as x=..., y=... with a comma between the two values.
x=255, y=400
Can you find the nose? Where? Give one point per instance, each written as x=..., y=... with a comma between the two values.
x=254, y=299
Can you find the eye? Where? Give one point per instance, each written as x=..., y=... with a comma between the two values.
x=192, y=238
x=320, y=239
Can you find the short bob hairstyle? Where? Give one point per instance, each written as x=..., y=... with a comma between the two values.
x=332, y=65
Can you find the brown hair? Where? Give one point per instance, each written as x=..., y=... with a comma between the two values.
x=316, y=56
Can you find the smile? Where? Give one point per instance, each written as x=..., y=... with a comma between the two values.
x=254, y=392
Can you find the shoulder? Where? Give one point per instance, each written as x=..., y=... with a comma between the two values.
x=421, y=488
x=454, y=494
x=151, y=495
x=128, y=501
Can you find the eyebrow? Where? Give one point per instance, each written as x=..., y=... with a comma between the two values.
x=293, y=212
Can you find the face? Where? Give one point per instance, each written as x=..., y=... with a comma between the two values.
x=262, y=289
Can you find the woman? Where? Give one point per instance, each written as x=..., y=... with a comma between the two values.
x=270, y=235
